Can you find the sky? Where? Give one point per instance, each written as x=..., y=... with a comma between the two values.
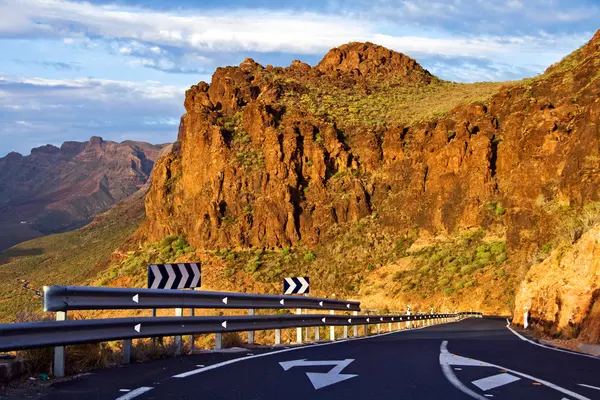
x=70, y=70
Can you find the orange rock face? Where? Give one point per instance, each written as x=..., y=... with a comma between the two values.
x=563, y=292
x=250, y=170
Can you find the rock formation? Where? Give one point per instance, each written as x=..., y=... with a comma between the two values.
x=253, y=168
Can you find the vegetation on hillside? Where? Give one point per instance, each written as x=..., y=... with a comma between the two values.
x=70, y=258
x=133, y=269
x=383, y=104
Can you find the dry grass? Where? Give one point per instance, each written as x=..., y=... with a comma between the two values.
x=386, y=103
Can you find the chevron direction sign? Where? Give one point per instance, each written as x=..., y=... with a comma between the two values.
x=174, y=276
x=299, y=285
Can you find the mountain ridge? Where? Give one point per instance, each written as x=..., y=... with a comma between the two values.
x=54, y=189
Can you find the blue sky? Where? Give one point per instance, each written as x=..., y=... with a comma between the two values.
x=119, y=69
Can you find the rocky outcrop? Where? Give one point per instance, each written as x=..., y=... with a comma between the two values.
x=55, y=189
x=254, y=168
x=562, y=293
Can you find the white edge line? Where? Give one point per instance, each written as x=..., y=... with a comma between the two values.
x=589, y=386
x=547, y=347
x=451, y=376
x=235, y=360
x=135, y=393
x=543, y=382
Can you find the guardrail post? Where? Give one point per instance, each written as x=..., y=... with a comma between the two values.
x=366, y=329
x=355, y=328
x=251, y=333
x=178, y=341
x=127, y=345
x=378, y=329
x=154, y=338
x=192, y=313
x=299, y=330
x=277, y=336
x=345, y=331
x=390, y=327
x=332, y=328
x=58, y=368
x=218, y=341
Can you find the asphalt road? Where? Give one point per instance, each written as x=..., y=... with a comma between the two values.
x=474, y=358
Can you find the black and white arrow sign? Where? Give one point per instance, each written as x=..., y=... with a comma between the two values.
x=296, y=285
x=174, y=276
x=320, y=379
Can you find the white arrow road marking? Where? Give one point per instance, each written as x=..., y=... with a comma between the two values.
x=224, y=324
x=291, y=285
x=136, y=298
x=321, y=303
x=171, y=273
x=225, y=300
x=184, y=276
x=304, y=286
x=318, y=379
x=589, y=386
x=495, y=381
x=157, y=276
x=138, y=328
x=281, y=302
x=135, y=393
x=448, y=359
x=196, y=274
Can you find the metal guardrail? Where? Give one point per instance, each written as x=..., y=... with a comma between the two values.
x=61, y=333
x=65, y=298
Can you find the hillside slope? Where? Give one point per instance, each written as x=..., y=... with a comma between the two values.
x=69, y=258
x=57, y=189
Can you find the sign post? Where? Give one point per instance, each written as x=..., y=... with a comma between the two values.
x=174, y=276
x=298, y=285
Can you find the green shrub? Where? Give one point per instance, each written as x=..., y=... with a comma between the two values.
x=546, y=248
x=309, y=256
x=448, y=291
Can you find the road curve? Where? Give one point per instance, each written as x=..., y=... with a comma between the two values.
x=474, y=358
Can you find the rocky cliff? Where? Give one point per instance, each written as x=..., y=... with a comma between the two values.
x=366, y=153
x=562, y=293
x=259, y=163
x=56, y=189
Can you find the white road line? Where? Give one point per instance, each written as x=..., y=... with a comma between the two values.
x=449, y=374
x=444, y=350
x=235, y=360
x=125, y=390
x=589, y=386
x=495, y=381
x=547, y=347
x=135, y=393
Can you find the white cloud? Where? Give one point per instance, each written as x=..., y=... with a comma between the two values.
x=138, y=31
x=227, y=30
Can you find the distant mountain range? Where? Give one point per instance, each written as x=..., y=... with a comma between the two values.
x=58, y=189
